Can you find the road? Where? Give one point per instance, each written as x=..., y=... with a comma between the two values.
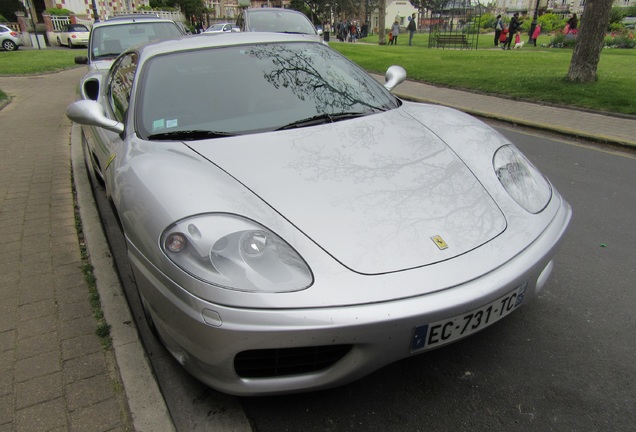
x=564, y=362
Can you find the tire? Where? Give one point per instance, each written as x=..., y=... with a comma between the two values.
x=70, y=44
x=9, y=45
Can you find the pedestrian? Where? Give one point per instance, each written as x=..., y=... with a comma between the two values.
x=353, y=31
x=499, y=26
x=503, y=37
x=535, y=34
x=573, y=23
x=395, y=29
x=390, y=38
x=342, y=31
x=513, y=28
x=411, y=28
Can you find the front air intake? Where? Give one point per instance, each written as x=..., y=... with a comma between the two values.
x=267, y=363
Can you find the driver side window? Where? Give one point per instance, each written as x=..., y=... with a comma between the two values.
x=120, y=85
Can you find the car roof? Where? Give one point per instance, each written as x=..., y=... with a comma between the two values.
x=129, y=19
x=273, y=10
x=209, y=40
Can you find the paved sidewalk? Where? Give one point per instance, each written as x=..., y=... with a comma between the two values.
x=54, y=375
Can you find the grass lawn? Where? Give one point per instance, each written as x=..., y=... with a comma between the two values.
x=26, y=62
x=534, y=73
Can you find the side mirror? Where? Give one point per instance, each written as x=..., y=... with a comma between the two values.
x=394, y=76
x=90, y=113
x=81, y=60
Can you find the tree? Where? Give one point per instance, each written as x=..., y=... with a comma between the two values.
x=316, y=10
x=589, y=41
x=189, y=8
x=382, y=22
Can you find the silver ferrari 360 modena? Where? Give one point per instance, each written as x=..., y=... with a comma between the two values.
x=293, y=225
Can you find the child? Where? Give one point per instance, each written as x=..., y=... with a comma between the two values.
x=503, y=38
x=390, y=38
x=535, y=34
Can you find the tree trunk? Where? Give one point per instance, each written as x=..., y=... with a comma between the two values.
x=382, y=22
x=589, y=41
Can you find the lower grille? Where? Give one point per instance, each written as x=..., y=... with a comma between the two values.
x=267, y=363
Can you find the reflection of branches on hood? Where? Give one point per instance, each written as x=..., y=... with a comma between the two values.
x=295, y=70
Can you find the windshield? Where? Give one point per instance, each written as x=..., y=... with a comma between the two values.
x=77, y=28
x=111, y=40
x=271, y=20
x=254, y=88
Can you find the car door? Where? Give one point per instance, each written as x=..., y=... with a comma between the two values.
x=107, y=146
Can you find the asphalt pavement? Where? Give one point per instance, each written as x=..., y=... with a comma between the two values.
x=54, y=374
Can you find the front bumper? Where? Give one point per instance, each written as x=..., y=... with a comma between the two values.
x=206, y=338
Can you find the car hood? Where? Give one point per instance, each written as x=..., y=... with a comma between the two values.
x=380, y=194
x=101, y=65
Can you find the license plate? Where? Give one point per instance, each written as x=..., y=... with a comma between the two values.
x=445, y=331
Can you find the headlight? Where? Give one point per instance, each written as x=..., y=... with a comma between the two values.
x=235, y=253
x=525, y=184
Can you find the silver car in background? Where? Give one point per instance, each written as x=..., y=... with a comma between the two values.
x=110, y=38
x=305, y=227
x=10, y=40
x=276, y=20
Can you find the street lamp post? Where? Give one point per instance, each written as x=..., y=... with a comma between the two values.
x=95, y=13
x=533, y=24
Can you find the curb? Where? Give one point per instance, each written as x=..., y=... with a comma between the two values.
x=145, y=401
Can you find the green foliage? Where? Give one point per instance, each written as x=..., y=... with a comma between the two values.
x=486, y=21
x=616, y=27
x=59, y=12
x=630, y=11
x=157, y=8
x=617, y=14
x=3, y=19
x=551, y=23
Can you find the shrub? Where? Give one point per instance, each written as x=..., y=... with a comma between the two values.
x=561, y=40
x=486, y=21
x=620, y=40
x=3, y=19
x=59, y=12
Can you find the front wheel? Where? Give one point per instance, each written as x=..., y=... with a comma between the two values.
x=9, y=45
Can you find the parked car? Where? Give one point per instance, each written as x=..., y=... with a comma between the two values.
x=73, y=35
x=10, y=40
x=276, y=20
x=110, y=38
x=307, y=227
x=222, y=28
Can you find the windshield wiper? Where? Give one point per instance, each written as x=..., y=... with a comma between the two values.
x=324, y=118
x=190, y=135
